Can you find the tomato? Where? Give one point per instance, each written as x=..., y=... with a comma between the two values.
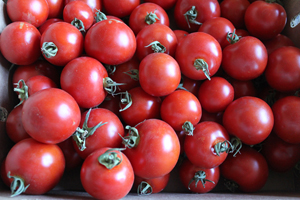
x=190, y=85
x=208, y=146
x=156, y=141
x=83, y=78
x=189, y=14
x=110, y=41
x=34, y=12
x=249, y=118
x=50, y=116
x=141, y=106
x=159, y=74
x=243, y=88
x=280, y=155
x=20, y=43
x=95, y=5
x=166, y=4
x=286, y=117
x=201, y=61
x=180, y=34
x=47, y=23
x=99, y=128
x=78, y=14
x=283, y=69
x=55, y=8
x=247, y=171
x=218, y=27
x=215, y=94
x=277, y=42
x=156, y=38
x=182, y=110
x=234, y=11
x=14, y=126
x=39, y=166
x=111, y=103
x=146, y=14
x=242, y=32
x=265, y=20
x=103, y=182
x=123, y=9
x=198, y=179
x=150, y=186
x=246, y=59
x=214, y=117
x=61, y=43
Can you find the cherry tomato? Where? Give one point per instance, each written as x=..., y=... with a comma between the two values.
x=124, y=8
x=55, y=8
x=242, y=32
x=180, y=34
x=95, y=5
x=111, y=103
x=277, y=42
x=243, y=88
x=150, y=186
x=47, y=23
x=214, y=117
x=190, y=85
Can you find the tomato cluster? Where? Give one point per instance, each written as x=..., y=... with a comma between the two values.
x=127, y=90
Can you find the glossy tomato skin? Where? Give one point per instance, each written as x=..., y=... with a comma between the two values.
x=39, y=165
x=246, y=59
x=187, y=171
x=249, y=118
x=155, y=32
x=248, y=169
x=123, y=9
x=277, y=42
x=199, y=147
x=265, y=20
x=50, y=116
x=83, y=79
x=280, y=155
x=103, y=183
x=283, y=69
x=159, y=144
x=215, y=94
x=20, y=43
x=55, y=8
x=110, y=41
x=95, y=5
x=206, y=9
x=60, y=33
x=159, y=74
x=208, y=49
x=286, y=117
x=180, y=34
x=39, y=82
x=47, y=23
x=180, y=106
x=157, y=184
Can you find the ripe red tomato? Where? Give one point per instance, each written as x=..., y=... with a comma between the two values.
x=243, y=88
x=20, y=43
x=47, y=23
x=249, y=118
x=150, y=186
x=110, y=41
x=111, y=103
x=190, y=85
x=50, y=116
x=39, y=166
x=198, y=62
x=180, y=34
x=105, y=183
x=277, y=42
x=55, y=8
x=95, y=5
x=247, y=171
x=214, y=117
x=158, y=142
x=124, y=8
x=159, y=74
x=166, y=4
x=208, y=146
x=197, y=179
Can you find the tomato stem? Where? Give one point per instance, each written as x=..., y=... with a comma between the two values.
x=100, y=16
x=157, y=47
x=222, y=147
x=200, y=64
x=110, y=86
x=151, y=18
x=49, y=49
x=17, y=186
x=236, y=145
x=125, y=98
x=132, y=139
x=22, y=90
x=78, y=24
x=191, y=15
x=199, y=176
x=133, y=73
x=111, y=158
x=231, y=185
x=110, y=69
x=232, y=37
x=144, y=188
x=188, y=128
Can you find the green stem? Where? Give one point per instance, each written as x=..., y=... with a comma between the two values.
x=110, y=86
x=125, y=99
x=133, y=73
x=110, y=69
x=111, y=158
x=199, y=176
x=236, y=145
x=132, y=139
x=22, y=90
x=151, y=18
x=78, y=24
x=157, y=47
x=191, y=15
x=17, y=186
x=144, y=188
x=49, y=49
x=222, y=147
x=188, y=128
x=200, y=64
x=100, y=16
x=232, y=37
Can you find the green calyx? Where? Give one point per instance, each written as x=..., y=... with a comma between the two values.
x=191, y=15
x=236, y=145
x=78, y=24
x=81, y=134
x=188, y=128
x=200, y=64
x=125, y=99
x=110, y=86
x=151, y=18
x=199, y=176
x=110, y=69
x=232, y=37
x=17, y=186
x=222, y=147
x=157, y=47
x=144, y=188
x=133, y=73
x=49, y=49
x=111, y=158
x=22, y=89
x=132, y=139
x=100, y=16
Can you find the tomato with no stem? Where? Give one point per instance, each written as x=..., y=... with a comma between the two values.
x=180, y=34
x=277, y=42
x=214, y=117
x=243, y=88
x=47, y=23
x=95, y=5
x=190, y=85
x=249, y=118
x=150, y=186
x=40, y=166
x=124, y=8
x=198, y=61
x=55, y=8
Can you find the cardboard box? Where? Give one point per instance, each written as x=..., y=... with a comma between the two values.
x=279, y=185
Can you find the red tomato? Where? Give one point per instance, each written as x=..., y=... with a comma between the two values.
x=189, y=14
x=150, y=186
x=242, y=32
x=166, y=4
x=243, y=88
x=248, y=171
x=246, y=59
x=250, y=119
x=156, y=38
x=277, y=42
x=50, y=116
x=283, y=69
x=286, y=119
x=190, y=85
x=146, y=14
x=111, y=103
x=55, y=8
x=265, y=20
x=102, y=182
x=124, y=8
x=83, y=79
x=20, y=43
x=180, y=34
x=214, y=117
x=95, y=5
x=159, y=74
x=34, y=12
x=158, y=143
x=208, y=146
x=198, y=179
x=142, y=106
x=110, y=41
x=181, y=109
x=47, y=23
x=40, y=166
x=215, y=94
x=61, y=43
x=199, y=62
